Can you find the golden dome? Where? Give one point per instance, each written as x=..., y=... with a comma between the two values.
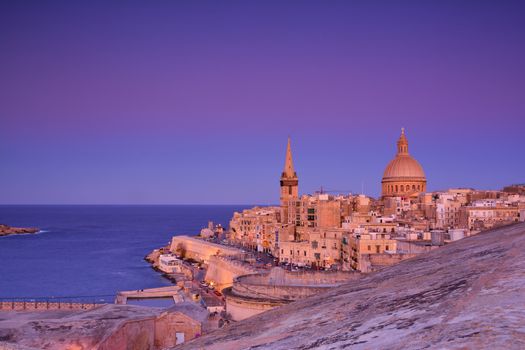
x=403, y=166
x=403, y=176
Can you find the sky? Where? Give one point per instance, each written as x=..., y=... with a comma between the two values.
x=191, y=102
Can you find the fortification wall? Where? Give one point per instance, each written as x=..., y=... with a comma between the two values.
x=201, y=250
x=256, y=293
x=280, y=277
x=240, y=308
x=270, y=292
x=223, y=270
x=282, y=285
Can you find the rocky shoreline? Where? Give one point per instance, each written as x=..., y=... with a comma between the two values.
x=153, y=259
x=6, y=230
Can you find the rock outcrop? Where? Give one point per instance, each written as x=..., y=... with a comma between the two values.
x=467, y=295
x=8, y=230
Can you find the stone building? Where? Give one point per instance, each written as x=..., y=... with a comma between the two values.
x=485, y=217
x=319, y=210
x=316, y=247
x=403, y=176
x=356, y=245
x=256, y=228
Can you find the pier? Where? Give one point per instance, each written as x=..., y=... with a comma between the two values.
x=162, y=292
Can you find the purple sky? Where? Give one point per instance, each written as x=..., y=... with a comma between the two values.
x=191, y=101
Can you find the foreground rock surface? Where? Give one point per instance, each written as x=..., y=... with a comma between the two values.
x=108, y=327
x=467, y=295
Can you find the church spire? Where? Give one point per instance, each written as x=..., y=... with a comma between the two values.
x=402, y=143
x=289, y=171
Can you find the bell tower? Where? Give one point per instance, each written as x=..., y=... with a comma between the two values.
x=289, y=189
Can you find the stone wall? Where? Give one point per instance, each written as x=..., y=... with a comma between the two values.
x=240, y=308
x=282, y=285
x=44, y=306
x=256, y=293
x=374, y=262
x=223, y=270
x=199, y=249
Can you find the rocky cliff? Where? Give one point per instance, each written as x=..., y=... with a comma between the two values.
x=469, y=294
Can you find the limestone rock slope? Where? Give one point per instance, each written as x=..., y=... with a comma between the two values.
x=60, y=329
x=467, y=295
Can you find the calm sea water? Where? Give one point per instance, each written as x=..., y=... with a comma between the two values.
x=91, y=252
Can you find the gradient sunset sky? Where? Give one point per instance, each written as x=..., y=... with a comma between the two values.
x=191, y=102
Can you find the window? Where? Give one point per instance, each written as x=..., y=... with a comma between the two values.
x=369, y=248
x=387, y=248
x=305, y=253
x=378, y=248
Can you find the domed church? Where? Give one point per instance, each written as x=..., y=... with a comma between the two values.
x=403, y=176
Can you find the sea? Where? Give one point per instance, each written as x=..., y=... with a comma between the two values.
x=90, y=252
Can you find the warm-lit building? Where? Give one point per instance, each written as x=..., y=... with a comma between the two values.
x=356, y=232
x=289, y=190
x=480, y=217
x=358, y=244
x=403, y=176
x=315, y=247
x=255, y=228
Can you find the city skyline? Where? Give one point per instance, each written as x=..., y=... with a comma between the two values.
x=104, y=105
